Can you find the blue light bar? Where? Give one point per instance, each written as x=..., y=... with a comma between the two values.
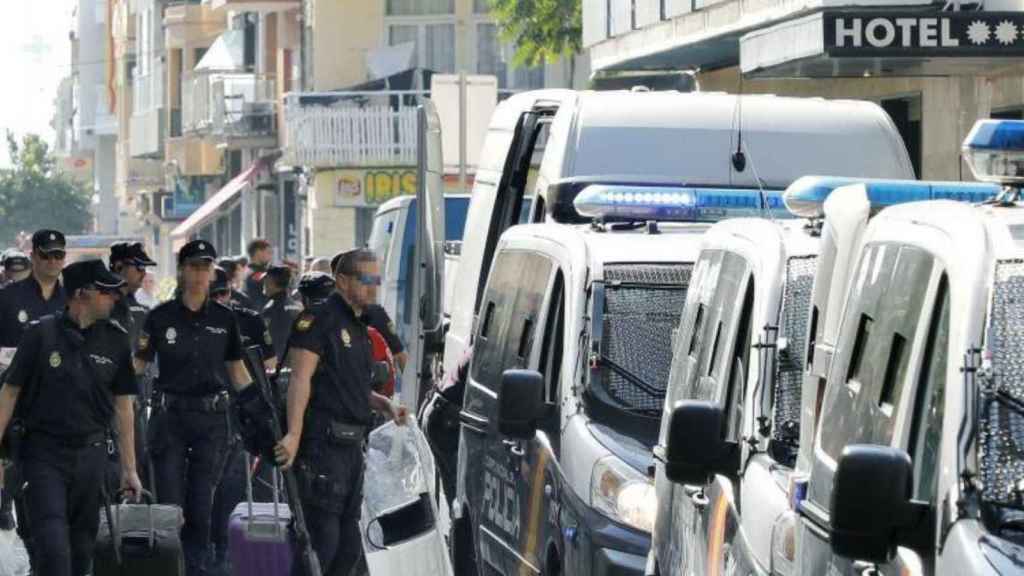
x=994, y=150
x=806, y=197
x=678, y=204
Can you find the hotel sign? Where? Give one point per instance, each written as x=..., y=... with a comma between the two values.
x=924, y=34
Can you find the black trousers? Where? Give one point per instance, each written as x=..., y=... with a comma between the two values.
x=63, y=501
x=188, y=449
x=331, y=491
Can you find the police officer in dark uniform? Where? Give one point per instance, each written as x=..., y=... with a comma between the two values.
x=198, y=347
x=314, y=288
x=30, y=299
x=251, y=325
x=281, y=310
x=330, y=399
x=129, y=261
x=375, y=316
x=232, y=267
x=71, y=375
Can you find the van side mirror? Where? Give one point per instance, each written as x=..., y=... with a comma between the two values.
x=871, y=509
x=520, y=403
x=696, y=449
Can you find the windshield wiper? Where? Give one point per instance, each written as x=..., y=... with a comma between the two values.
x=631, y=377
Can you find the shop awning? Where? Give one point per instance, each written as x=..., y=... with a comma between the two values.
x=209, y=209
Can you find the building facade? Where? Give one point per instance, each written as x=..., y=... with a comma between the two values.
x=934, y=67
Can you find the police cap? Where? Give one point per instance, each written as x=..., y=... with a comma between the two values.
x=131, y=253
x=282, y=275
x=91, y=272
x=316, y=286
x=221, y=281
x=47, y=240
x=197, y=251
x=14, y=260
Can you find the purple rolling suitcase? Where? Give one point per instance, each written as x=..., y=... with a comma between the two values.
x=258, y=538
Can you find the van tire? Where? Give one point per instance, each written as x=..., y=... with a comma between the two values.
x=462, y=551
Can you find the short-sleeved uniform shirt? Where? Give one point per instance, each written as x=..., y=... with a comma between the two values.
x=191, y=347
x=71, y=377
x=279, y=314
x=253, y=331
x=377, y=317
x=341, y=386
x=21, y=303
x=130, y=314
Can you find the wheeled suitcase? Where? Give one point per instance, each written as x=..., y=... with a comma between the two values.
x=147, y=538
x=258, y=538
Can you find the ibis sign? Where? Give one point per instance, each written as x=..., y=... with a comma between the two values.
x=924, y=34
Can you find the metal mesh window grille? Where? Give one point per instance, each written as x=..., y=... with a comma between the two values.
x=643, y=303
x=796, y=303
x=1001, y=430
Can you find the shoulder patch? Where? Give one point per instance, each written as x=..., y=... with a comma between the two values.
x=305, y=322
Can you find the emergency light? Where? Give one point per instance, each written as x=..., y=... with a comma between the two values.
x=994, y=150
x=805, y=198
x=679, y=204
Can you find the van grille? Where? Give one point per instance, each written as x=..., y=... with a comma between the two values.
x=796, y=303
x=643, y=303
x=1001, y=430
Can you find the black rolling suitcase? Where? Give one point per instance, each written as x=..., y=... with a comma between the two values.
x=146, y=539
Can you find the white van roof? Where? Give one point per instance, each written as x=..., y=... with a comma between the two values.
x=690, y=138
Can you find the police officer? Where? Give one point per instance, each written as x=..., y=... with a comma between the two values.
x=281, y=309
x=73, y=373
x=260, y=254
x=329, y=407
x=38, y=295
x=198, y=347
x=375, y=316
x=233, y=269
x=314, y=288
x=251, y=325
x=129, y=260
x=16, y=265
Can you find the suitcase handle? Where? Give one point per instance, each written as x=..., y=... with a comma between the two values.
x=116, y=528
x=249, y=472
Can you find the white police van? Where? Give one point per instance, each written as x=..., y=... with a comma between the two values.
x=918, y=458
x=734, y=395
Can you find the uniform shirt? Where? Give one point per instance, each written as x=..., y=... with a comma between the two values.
x=71, y=377
x=253, y=331
x=280, y=313
x=239, y=299
x=375, y=315
x=191, y=347
x=21, y=303
x=254, y=288
x=341, y=386
x=130, y=314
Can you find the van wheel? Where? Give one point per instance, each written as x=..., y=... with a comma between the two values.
x=463, y=555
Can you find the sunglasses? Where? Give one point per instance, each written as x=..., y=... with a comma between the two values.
x=369, y=279
x=52, y=255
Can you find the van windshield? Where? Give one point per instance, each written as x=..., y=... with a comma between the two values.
x=632, y=335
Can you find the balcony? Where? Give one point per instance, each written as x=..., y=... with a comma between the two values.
x=230, y=107
x=255, y=5
x=190, y=23
x=343, y=129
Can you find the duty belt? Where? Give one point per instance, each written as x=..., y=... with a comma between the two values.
x=72, y=442
x=217, y=403
x=336, y=431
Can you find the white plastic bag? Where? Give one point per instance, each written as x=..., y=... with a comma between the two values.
x=13, y=558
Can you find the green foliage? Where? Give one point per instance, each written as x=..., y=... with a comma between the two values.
x=34, y=195
x=541, y=30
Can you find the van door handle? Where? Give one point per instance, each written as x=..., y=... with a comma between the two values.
x=691, y=490
x=698, y=498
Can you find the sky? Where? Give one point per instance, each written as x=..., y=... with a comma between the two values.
x=35, y=54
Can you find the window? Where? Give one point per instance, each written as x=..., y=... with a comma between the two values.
x=419, y=7
x=482, y=6
x=888, y=299
x=736, y=379
x=906, y=115
x=494, y=57
x=926, y=431
x=435, y=43
x=551, y=355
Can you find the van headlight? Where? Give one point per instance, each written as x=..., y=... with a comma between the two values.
x=623, y=494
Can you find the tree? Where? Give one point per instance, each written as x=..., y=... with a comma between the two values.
x=541, y=30
x=33, y=194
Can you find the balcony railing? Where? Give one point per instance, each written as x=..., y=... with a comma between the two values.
x=340, y=129
x=228, y=104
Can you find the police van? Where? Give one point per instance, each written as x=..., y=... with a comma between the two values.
x=917, y=461
x=626, y=148
x=735, y=388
